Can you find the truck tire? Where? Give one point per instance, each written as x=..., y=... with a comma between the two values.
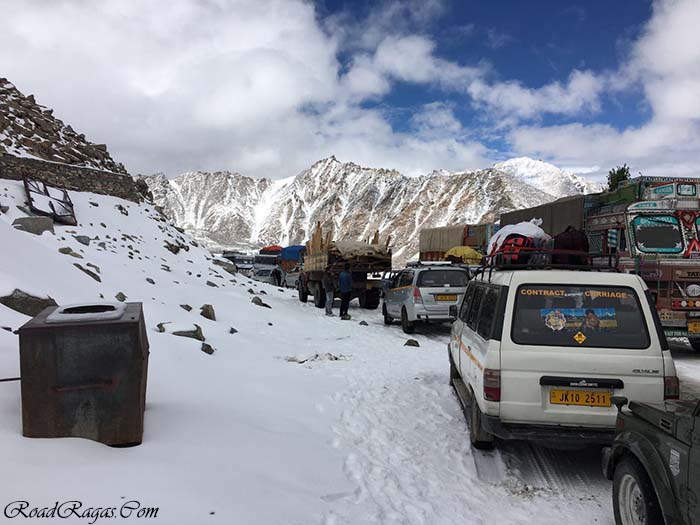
x=362, y=298
x=634, y=498
x=387, y=318
x=478, y=437
x=319, y=297
x=407, y=326
x=694, y=343
x=372, y=298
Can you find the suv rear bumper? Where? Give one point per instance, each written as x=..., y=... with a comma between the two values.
x=436, y=318
x=559, y=435
x=438, y=314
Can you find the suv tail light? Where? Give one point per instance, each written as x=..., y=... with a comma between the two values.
x=417, y=297
x=672, y=387
x=492, y=384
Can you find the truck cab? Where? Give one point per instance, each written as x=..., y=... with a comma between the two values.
x=656, y=237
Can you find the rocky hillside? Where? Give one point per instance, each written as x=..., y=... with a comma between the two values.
x=28, y=129
x=228, y=210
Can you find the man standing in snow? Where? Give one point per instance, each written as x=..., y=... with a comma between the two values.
x=277, y=275
x=345, y=279
x=329, y=286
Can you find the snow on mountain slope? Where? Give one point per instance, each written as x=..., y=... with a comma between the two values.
x=218, y=208
x=352, y=200
x=547, y=177
x=28, y=129
x=269, y=428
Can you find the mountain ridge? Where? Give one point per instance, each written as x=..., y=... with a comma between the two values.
x=353, y=201
x=28, y=129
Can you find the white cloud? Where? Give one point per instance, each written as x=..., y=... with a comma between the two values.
x=437, y=118
x=247, y=85
x=409, y=59
x=665, y=62
x=257, y=86
x=511, y=99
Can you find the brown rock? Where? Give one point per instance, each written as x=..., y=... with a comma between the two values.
x=207, y=311
x=192, y=334
x=25, y=303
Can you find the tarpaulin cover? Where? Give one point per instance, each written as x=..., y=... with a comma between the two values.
x=273, y=250
x=556, y=216
x=465, y=253
x=293, y=253
x=441, y=239
x=358, y=249
x=526, y=229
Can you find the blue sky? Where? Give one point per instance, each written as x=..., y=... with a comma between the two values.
x=267, y=87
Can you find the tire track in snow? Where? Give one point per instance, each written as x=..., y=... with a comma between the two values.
x=411, y=462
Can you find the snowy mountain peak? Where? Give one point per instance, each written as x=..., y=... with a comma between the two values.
x=547, y=177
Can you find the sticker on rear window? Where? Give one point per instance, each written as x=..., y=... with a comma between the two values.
x=584, y=319
x=555, y=320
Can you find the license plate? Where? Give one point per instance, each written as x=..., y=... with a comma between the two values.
x=694, y=327
x=445, y=297
x=580, y=397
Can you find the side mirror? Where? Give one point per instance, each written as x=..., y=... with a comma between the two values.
x=619, y=402
x=453, y=311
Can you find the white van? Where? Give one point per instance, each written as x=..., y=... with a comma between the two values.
x=539, y=354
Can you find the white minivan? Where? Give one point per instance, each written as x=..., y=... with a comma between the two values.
x=539, y=354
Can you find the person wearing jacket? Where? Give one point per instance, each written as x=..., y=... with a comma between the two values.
x=345, y=279
x=328, y=283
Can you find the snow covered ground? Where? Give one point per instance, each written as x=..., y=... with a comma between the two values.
x=270, y=429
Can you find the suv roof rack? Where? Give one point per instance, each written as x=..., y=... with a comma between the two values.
x=525, y=258
x=413, y=264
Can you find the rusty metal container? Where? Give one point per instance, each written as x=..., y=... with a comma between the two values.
x=84, y=370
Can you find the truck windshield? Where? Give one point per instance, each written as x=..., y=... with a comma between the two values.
x=657, y=234
x=437, y=278
x=579, y=316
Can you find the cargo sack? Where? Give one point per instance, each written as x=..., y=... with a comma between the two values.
x=571, y=240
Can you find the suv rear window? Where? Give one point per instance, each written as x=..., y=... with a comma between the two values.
x=438, y=278
x=579, y=316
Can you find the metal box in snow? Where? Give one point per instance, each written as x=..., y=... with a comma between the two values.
x=84, y=370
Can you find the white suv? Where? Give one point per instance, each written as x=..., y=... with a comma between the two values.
x=424, y=293
x=539, y=354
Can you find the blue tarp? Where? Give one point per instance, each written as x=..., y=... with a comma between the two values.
x=293, y=253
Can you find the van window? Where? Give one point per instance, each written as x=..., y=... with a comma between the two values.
x=579, y=316
x=488, y=313
x=468, y=296
x=436, y=278
x=474, y=308
x=406, y=279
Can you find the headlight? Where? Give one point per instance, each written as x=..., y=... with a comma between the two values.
x=693, y=290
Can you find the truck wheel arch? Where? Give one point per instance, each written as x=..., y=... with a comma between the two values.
x=639, y=447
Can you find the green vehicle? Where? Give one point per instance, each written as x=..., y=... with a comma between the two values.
x=654, y=463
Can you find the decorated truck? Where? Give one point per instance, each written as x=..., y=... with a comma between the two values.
x=651, y=225
x=434, y=243
x=367, y=261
